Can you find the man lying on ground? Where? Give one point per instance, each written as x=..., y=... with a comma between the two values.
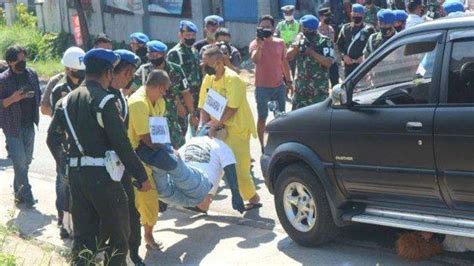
x=191, y=177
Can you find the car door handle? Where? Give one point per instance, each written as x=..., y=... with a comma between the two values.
x=414, y=126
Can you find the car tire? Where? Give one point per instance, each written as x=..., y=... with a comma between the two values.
x=299, y=194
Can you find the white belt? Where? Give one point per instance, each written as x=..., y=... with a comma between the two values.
x=86, y=161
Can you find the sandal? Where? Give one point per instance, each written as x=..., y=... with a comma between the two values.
x=251, y=206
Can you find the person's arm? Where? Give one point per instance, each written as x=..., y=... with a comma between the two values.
x=341, y=42
x=14, y=98
x=256, y=50
x=292, y=52
x=46, y=106
x=231, y=177
x=117, y=135
x=56, y=133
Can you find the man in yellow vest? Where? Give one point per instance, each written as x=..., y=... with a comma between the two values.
x=287, y=30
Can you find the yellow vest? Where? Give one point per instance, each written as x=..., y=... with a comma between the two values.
x=288, y=32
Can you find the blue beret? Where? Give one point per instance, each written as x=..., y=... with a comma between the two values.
x=156, y=46
x=129, y=57
x=214, y=18
x=139, y=37
x=309, y=22
x=386, y=16
x=400, y=15
x=358, y=8
x=102, y=54
x=287, y=8
x=188, y=26
x=453, y=6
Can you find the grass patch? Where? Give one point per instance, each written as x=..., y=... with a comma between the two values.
x=47, y=69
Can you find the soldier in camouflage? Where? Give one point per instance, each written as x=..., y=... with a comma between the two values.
x=186, y=56
x=314, y=55
x=386, y=19
x=177, y=93
x=371, y=13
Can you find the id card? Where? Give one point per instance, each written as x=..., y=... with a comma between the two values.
x=159, y=130
x=215, y=104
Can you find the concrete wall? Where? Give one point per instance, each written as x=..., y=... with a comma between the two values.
x=119, y=26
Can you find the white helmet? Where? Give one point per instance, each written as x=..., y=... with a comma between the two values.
x=72, y=58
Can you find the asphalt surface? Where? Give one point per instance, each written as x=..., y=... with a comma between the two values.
x=376, y=242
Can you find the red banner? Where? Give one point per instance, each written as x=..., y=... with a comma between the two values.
x=76, y=28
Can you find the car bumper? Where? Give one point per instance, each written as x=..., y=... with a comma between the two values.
x=264, y=164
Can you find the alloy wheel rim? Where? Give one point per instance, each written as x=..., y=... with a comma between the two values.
x=300, y=207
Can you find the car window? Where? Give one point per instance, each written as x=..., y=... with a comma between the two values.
x=402, y=77
x=461, y=72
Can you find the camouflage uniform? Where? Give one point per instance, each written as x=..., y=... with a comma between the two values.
x=188, y=59
x=179, y=84
x=312, y=79
x=375, y=41
x=371, y=15
x=433, y=8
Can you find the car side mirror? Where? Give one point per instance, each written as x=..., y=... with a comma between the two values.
x=274, y=107
x=339, y=95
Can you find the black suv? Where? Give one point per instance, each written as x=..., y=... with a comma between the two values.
x=392, y=146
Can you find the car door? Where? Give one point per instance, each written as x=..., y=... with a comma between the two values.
x=383, y=142
x=454, y=122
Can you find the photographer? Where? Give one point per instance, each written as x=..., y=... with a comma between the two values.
x=314, y=55
x=233, y=59
x=269, y=55
x=19, y=111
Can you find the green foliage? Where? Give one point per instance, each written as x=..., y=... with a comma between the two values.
x=7, y=259
x=25, y=19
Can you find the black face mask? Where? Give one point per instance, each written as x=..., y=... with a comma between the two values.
x=310, y=35
x=399, y=28
x=158, y=61
x=327, y=21
x=79, y=74
x=20, y=66
x=386, y=31
x=189, y=42
x=209, y=70
x=357, y=20
x=141, y=52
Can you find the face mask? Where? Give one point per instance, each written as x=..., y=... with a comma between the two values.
x=289, y=18
x=399, y=28
x=209, y=70
x=158, y=61
x=310, y=35
x=357, y=20
x=385, y=31
x=327, y=21
x=189, y=42
x=129, y=84
x=141, y=52
x=79, y=74
x=20, y=66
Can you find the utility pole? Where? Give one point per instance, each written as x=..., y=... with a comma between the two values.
x=82, y=23
x=10, y=12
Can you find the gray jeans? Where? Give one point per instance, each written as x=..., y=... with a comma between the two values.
x=183, y=186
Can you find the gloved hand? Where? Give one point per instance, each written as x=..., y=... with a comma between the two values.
x=238, y=203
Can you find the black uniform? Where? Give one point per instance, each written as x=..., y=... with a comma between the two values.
x=100, y=209
x=351, y=41
x=57, y=148
x=135, y=226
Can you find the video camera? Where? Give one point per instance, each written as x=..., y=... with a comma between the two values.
x=263, y=33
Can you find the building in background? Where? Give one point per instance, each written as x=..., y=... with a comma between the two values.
x=160, y=18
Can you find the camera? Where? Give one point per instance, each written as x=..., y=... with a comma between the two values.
x=224, y=47
x=303, y=44
x=263, y=33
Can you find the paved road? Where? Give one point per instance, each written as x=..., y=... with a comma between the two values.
x=376, y=242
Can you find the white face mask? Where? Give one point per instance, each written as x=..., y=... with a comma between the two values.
x=289, y=18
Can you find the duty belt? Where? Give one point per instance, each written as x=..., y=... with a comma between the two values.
x=86, y=161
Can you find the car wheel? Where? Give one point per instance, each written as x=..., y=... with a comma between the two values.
x=302, y=206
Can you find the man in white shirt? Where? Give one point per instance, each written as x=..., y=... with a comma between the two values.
x=191, y=176
x=415, y=13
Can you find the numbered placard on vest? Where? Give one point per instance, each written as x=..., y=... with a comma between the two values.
x=159, y=130
x=215, y=104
